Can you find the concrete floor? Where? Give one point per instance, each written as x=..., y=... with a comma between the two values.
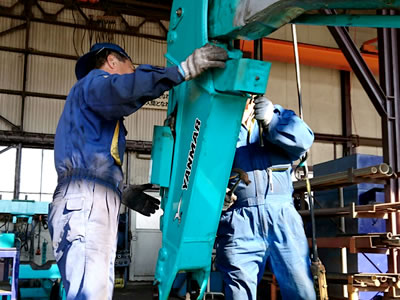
x=137, y=291
x=144, y=291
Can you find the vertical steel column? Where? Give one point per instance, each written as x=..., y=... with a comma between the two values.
x=28, y=14
x=389, y=79
x=17, y=177
x=258, y=49
x=347, y=130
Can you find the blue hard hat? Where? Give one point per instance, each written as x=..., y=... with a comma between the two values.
x=85, y=63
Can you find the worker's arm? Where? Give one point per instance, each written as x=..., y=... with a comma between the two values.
x=283, y=128
x=115, y=96
x=289, y=132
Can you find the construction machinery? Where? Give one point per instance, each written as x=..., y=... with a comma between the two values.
x=193, y=152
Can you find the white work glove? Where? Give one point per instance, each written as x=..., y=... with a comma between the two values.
x=263, y=111
x=208, y=56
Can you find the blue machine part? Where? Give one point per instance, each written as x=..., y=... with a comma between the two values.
x=364, y=193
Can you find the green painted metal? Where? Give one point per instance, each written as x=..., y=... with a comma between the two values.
x=207, y=113
x=7, y=240
x=374, y=21
x=26, y=272
x=204, y=116
x=161, y=155
x=24, y=208
x=254, y=19
x=244, y=74
x=34, y=293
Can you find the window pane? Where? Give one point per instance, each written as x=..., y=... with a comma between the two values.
x=7, y=172
x=31, y=163
x=49, y=176
x=47, y=198
x=27, y=196
x=6, y=196
x=152, y=222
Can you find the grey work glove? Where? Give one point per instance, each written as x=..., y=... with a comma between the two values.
x=135, y=198
x=263, y=111
x=208, y=56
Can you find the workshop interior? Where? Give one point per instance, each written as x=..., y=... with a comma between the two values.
x=334, y=63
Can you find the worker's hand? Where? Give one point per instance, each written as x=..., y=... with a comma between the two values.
x=230, y=198
x=263, y=111
x=208, y=56
x=135, y=198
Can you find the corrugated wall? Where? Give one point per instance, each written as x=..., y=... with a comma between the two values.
x=321, y=93
x=321, y=88
x=140, y=124
x=41, y=115
x=56, y=75
x=10, y=108
x=50, y=75
x=320, y=97
x=11, y=70
x=16, y=39
x=139, y=166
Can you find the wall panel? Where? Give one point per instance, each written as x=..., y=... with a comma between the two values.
x=50, y=75
x=41, y=115
x=140, y=124
x=14, y=39
x=10, y=108
x=11, y=70
x=320, y=95
x=366, y=121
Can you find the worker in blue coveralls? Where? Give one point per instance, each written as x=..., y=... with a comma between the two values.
x=260, y=224
x=89, y=147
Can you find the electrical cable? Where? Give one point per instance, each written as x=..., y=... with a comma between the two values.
x=73, y=34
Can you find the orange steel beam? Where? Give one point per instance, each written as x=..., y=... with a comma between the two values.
x=310, y=55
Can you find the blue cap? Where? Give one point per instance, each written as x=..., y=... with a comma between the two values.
x=85, y=63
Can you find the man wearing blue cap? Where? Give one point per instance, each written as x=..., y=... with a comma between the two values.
x=89, y=147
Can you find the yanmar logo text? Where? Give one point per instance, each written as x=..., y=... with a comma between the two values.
x=192, y=150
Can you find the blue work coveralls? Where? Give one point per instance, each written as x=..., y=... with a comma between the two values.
x=89, y=149
x=263, y=226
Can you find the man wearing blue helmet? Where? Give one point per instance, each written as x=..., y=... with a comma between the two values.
x=89, y=147
x=260, y=225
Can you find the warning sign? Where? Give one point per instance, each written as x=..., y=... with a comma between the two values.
x=159, y=103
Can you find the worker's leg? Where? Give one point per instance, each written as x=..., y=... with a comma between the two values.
x=83, y=222
x=241, y=252
x=289, y=257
